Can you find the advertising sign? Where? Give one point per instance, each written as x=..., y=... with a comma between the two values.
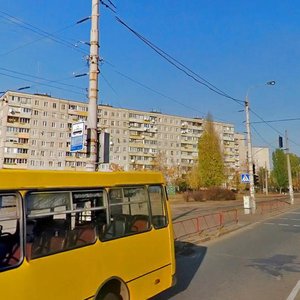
x=77, y=134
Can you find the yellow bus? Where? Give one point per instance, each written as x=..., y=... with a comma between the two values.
x=84, y=235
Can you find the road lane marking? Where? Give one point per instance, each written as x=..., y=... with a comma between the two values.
x=295, y=213
x=294, y=225
x=288, y=219
x=294, y=292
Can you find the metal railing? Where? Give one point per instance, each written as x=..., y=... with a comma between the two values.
x=207, y=223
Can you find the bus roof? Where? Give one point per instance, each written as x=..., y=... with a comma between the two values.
x=35, y=179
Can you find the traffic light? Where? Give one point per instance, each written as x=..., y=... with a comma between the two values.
x=256, y=179
x=280, y=141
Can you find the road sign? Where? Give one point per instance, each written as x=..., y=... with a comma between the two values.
x=245, y=178
x=77, y=134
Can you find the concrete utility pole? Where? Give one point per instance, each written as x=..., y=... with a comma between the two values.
x=92, y=134
x=250, y=162
x=266, y=178
x=250, y=157
x=291, y=192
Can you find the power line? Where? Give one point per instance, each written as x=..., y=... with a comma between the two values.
x=108, y=83
x=179, y=65
x=278, y=120
x=39, y=31
x=262, y=138
x=190, y=73
x=112, y=4
x=263, y=121
x=58, y=81
x=157, y=92
x=280, y=133
x=43, y=84
x=158, y=50
x=35, y=41
x=111, y=7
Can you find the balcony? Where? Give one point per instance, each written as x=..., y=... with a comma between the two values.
x=188, y=142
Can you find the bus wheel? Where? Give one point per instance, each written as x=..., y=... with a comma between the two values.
x=111, y=296
x=114, y=289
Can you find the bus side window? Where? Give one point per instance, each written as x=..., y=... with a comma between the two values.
x=61, y=221
x=158, y=206
x=129, y=212
x=10, y=235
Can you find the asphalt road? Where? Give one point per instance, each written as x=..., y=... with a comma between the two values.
x=261, y=261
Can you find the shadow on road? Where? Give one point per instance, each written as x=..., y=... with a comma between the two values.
x=276, y=265
x=188, y=260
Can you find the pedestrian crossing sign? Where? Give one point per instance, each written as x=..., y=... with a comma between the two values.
x=245, y=178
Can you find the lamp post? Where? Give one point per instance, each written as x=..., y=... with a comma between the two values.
x=249, y=147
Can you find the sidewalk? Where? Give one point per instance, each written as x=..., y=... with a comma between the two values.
x=201, y=221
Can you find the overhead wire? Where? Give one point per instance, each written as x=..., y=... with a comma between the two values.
x=179, y=65
x=157, y=92
x=36, y=40
x=108, y=83
x=108, y=6
x=159, y=51
x=262, y=138
x=44, y=34
x=40, y=32
x=58, y=81
x=193, y=75
x=272, y=127
x=43, y=84
x=278, y=120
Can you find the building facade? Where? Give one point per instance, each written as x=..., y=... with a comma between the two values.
x=261, y=158
x=35, y=133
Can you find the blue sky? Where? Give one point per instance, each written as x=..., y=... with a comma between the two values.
x=233, y=44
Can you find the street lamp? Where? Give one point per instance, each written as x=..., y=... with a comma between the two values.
x=249, y=146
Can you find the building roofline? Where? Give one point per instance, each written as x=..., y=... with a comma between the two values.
x=113, y=107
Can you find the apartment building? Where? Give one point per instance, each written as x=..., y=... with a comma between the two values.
x=35, y=133
x=261, y=158
x=260, y=155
